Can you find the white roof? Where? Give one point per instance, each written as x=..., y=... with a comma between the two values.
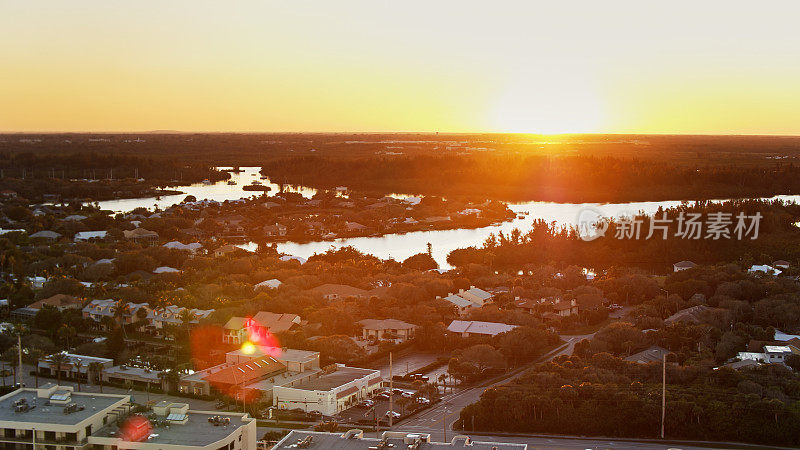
x=194, y=246
x=458, y=301
x=271, y=284
x=765, y=269
x=165, y=269
x=781, y=336
x=478, y=327
x=84, y=235
x=296, y=258
x=46, y=234
x=777, y=349
x=480, y=293
x=75, y=217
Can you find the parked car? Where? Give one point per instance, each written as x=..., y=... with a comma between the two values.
x=393, y=414
x=383, y=396
x=367, y=404
x=407, y=394
x=420, y=377
x=423, y=401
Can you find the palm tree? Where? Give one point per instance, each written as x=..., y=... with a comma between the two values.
x=66, y=333
x=96, y=368
x=443, y=381
x=121, y=309
x=77, y=366
x=58, y=361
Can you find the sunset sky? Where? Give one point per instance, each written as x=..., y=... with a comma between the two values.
x=374, y=65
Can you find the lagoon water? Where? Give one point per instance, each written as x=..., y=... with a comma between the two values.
x=401, y=246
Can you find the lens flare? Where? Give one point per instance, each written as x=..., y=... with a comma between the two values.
x=135, y=429
x=248, y=348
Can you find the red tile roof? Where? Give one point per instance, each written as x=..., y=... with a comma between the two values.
x=246, y=372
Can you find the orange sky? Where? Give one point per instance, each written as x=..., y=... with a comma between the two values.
x=549, y=67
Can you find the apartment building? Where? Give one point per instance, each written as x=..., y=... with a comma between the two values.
x=57, y=418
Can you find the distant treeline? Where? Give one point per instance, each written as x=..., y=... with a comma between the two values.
x=101, y=176
x=539, y=177
x=546, y=243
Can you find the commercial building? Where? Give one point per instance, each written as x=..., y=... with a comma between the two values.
x=57, y=418
x=246, y=371
x=54, y=417
x=336, y=389
x=172, y=426
x=355, y=440
x=73, y=366
x=138, y=377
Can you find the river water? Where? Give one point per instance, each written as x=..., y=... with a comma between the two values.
x=401, y=246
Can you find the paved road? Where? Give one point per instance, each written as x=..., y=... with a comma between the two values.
x=431, y=421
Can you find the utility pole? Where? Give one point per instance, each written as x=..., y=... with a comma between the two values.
x=19, y=354
x=391, y=392
x=444, y=423
x=663, y=393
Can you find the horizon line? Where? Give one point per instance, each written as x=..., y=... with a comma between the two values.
x=164, y=132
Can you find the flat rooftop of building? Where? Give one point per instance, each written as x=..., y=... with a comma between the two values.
x=44, y=413
x=282, y=379
x=284, y=354
x=133, y=372
x=196, y=432
x=336, y=441
x=328, y=381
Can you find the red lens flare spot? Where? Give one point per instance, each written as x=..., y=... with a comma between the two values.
x=135, y=429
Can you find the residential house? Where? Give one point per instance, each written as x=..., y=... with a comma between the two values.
x=337, y=291
x=46, y=235
x=476, y=295
x=97, y=309
x=258, y=328
x=275, y=230
x=193, y=247
x=90, y=235
x=140, y=235
x=781, y=264
x=461, y=304
x=764, y=269
x=268, y=284
x=172, y=315
x=226, y=250
x=683, y=265
x=652, y=354
x=392, y=329
x=467, y=328
x=59, y=302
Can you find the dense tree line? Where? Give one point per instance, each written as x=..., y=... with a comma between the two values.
x=511, y=176
x=606, y=396
x=546, y=243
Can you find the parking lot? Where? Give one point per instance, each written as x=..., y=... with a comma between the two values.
x=379, y=409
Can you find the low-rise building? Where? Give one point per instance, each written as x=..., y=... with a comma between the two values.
x=387, y=329
x=72, y=367
x=137, y=377
x=683, y=265
x=337, y=291
x=57, y=417
x=89, y=235
x=58, y=301
x=140, y=235
x=335, y=390
x=467, y=328
x=239, y=329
